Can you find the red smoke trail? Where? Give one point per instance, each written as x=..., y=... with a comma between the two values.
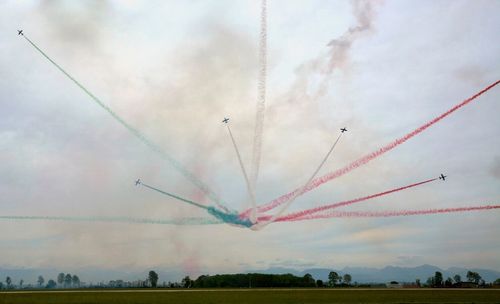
x=350, y=214
x=365, y=159
x=308, y=212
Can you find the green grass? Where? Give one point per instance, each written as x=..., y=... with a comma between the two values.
x=277, y=296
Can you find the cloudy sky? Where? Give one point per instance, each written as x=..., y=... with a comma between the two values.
x=173, y=69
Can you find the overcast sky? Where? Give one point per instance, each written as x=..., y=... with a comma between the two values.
x=174, y=69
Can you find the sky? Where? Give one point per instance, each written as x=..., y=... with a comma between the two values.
x=174, y=69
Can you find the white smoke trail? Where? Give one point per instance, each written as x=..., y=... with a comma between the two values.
x=253, y=215
x=261, y=99
x=261, y=225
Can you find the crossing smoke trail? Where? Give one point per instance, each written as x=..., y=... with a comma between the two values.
x=261, y=99
x=251, y=193
x=104, y=219
x=262, y=224
x=188, y=175
x=367, y=158
x=292, y=216
x=352, y=214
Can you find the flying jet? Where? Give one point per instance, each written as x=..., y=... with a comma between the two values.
x=20, y=32
x=225, y=120
x=138, y=182
x=443, y=177
x=343, y=130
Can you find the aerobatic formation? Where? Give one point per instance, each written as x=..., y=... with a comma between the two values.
x=259, y=216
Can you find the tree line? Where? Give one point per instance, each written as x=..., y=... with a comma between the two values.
x=473, y=277
x=63, y=281
x=248, y=280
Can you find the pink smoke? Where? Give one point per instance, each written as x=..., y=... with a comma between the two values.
x=350, y=214
x=311, y=211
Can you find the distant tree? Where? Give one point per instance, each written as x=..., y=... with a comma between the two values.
x=153, y=278
x=186, y=282
x=347, y=278
x=60, y=278
x=333, y=278
x=8, y=280
x=67, y=280
x=497, y=281
x=438, y=279
x=51, y=284
x=40, y=281
x=319, y=283
x=21, y=282
x=75, y=280
x=430, y=281
x=457, y=278
x=448, y=282
x=417, y=282
x=1, y=285
x=309, y=280
x=473, y=276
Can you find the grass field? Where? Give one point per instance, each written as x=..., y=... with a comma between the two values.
x=244, y=296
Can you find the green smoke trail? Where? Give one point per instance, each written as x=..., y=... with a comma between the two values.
x=232, y=218
x=137, y=133
x=131, y=220
x=175, y=196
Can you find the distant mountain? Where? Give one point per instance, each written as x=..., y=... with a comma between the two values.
x=388, y=273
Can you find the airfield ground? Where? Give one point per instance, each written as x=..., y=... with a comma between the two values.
x=247, y=296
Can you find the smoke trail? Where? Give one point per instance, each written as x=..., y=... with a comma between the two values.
x=249, y=186
x=261, y=99
x=311, y=211
x=228, y=217
x=104, y=219
x=188, y=175
x=351, y=214
x=367, y=158
x=261, y=225
x=175, y=196
x=339, y=53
